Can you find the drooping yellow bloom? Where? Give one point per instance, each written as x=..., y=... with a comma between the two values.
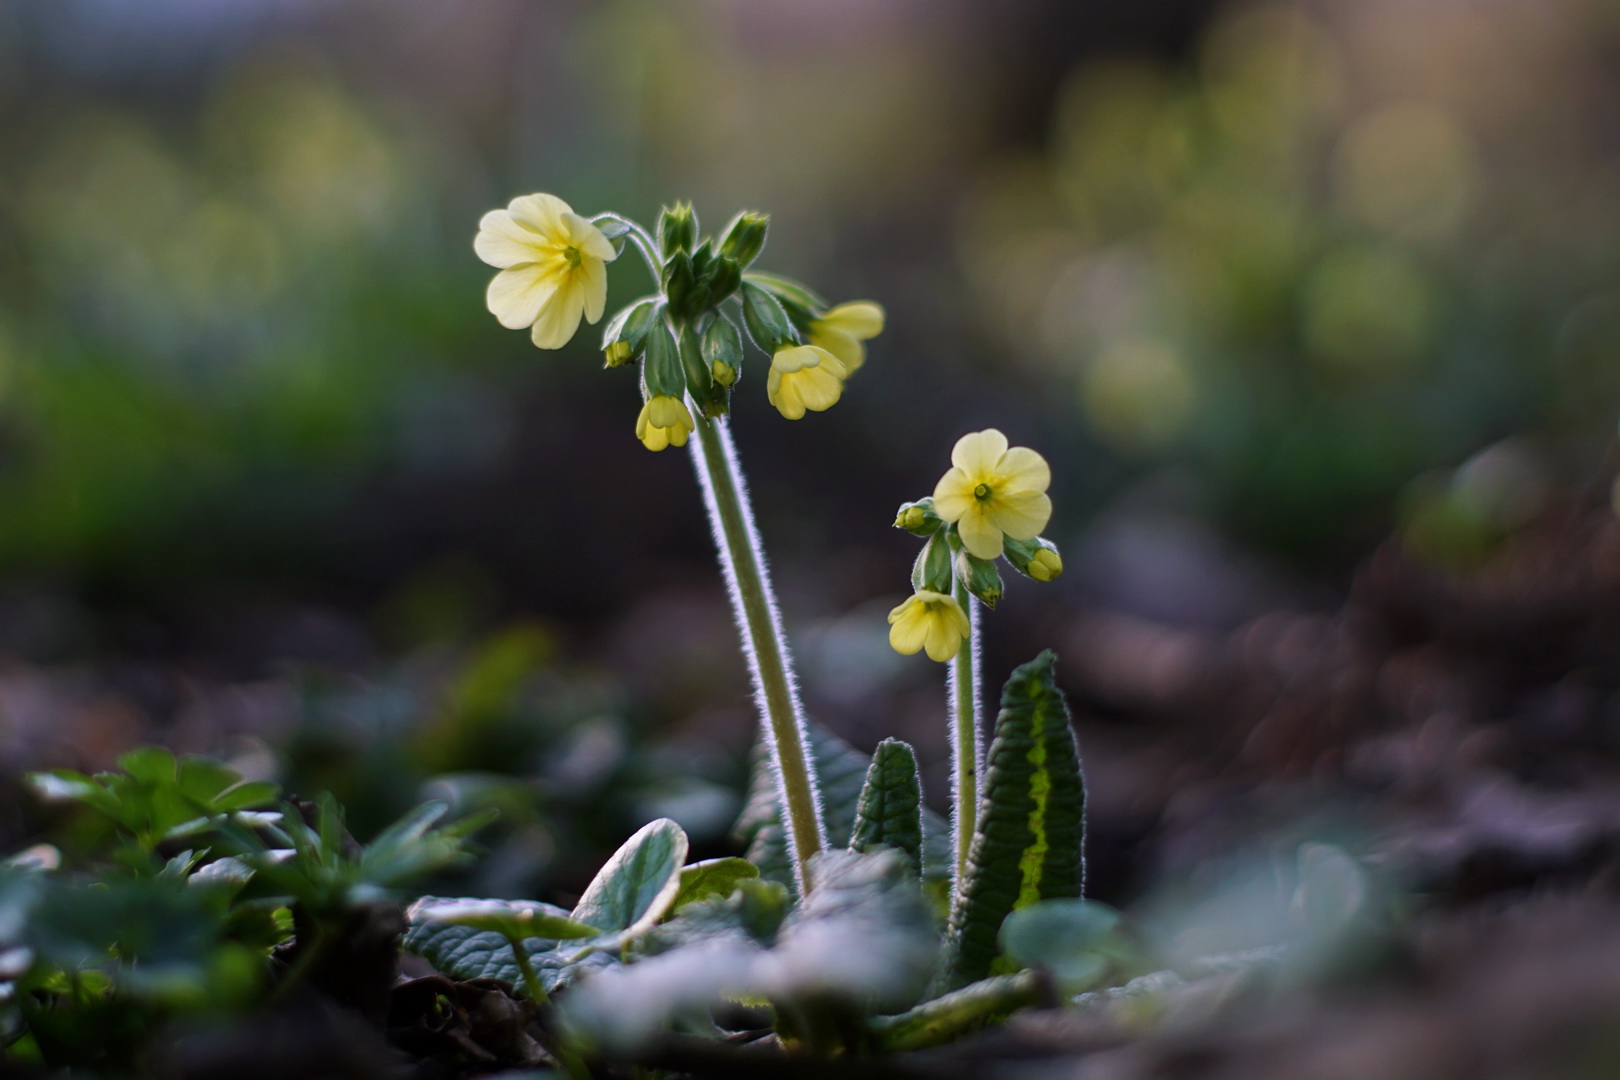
x=553, y=267
x=804, y=377
x=664, y=421
x=928, y=620
x=841, y=331
x=1046, y=565
x=992, y=491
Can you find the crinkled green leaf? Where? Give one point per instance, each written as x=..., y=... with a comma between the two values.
x=890, y=810
x=1031, y=820
x=841, y=775
x=465, y=952
x=520, y=919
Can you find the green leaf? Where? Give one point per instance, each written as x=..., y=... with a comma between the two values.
x=841, y=775
x=1031, y=823
x=512, y=919
x=466, y=952
x=890, y=810
x=638, y=884
x=1063, y=937
x=712, y=879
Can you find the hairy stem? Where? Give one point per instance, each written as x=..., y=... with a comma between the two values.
x=775, y=691
x=641, y=238
x=967, y=746
x=531, y=978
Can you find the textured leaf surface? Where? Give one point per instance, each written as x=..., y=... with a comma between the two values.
x=841, y=773
x=890, y=809
x=1031, y=819
x=510, y=918
x=465, y=952
x=636, y=886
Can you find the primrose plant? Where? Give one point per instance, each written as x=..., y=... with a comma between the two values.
x=853, y=925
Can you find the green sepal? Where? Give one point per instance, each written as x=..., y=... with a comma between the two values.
x=800, y=300
x=890, y=810
x=1031, y=834
x=766, y=321
x=677, y=228
x=744, y=238
x=630, y=325
x=661, y=369
x=1036, y=559
x=721, y=278
x=680, y=284
x=932, y=570
x=980, y=576
x=723, y=351
x=710, y=396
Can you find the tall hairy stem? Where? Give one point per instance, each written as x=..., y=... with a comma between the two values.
x=775, y=690
x=967, y=745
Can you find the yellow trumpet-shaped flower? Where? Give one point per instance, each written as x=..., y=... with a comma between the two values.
x=804, y=377
x=664, y=421
x=553, y=267
x=992, y=491
x=841, y=330
x=928, y=620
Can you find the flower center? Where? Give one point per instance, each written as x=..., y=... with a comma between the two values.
x=982, y=492
x=572, y=255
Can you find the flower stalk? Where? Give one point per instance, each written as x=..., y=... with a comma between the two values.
x=962, y=684
x=769, y=663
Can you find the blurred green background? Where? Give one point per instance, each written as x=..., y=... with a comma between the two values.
x=1264, y=283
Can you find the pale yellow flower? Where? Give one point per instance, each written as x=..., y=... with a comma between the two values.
x=928, y=620
x=664, y=421
x=841, y=330
x=992, y=491
x=804, y=377
x=553, y=267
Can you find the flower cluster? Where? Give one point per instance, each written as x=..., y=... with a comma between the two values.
x=992, y=503
x=688, y=337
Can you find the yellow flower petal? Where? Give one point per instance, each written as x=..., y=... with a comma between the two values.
x=516, y=296
x=953, y=495
x=595, y=287
x=978, y=453
x=559, y=315
x=909, y=633
x=542, y=213
x=860, y=319
x=979, y=535
x=796, y=357
x=1022, y=469
x=1021, y=515
x=943, y=640
x=503, y=242
x=591, y=241
x=851, y=353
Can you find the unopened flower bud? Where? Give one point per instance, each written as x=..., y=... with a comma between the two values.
x=617, y=354
x=744, y=238
x=710, y=397
x=980, y=576
x=629, y=326
x=932, y=570
x=677, y=228
x=767, y=323
x=722, y=348
x=721, y=279
x=918, y=518
x=1037, y=558
x=680, y=284
x=661, y=371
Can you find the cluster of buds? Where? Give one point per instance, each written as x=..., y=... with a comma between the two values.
x=688, y=337
x=991, y=504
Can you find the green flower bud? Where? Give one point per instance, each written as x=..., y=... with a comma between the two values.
x=721, y=280
x=767, y=323
x=980, y=576
x=744, y=238
x=710, y=397
x=617, y=354
x=800, y=302
x=630, y=325
x=677, y=228
x=1037, y=558
x=680, y=284
x=661, y=370
x=918, y=518
x=932, y=570
x=723, y=349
